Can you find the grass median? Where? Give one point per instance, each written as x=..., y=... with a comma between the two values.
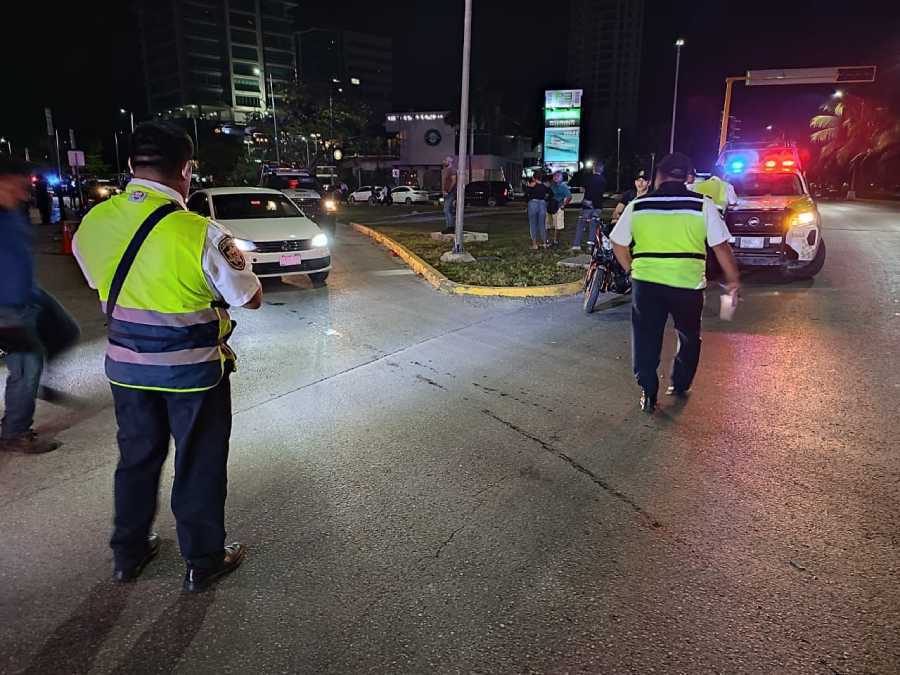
x=506, y=259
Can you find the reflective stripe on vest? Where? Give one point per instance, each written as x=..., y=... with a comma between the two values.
x=669, y=234
x=164, y=333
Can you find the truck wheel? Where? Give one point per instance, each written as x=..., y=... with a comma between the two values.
x=318, y=278
x=492, y=202
x=812, y=268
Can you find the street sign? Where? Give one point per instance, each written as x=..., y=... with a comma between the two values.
x=76, y=158
x=811, y=76
x=395, y=173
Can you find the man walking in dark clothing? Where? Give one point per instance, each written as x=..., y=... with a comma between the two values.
x=591, y=206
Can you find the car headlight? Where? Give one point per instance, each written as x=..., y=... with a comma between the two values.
x=103, y=192
x=330, y=205
x=320, y=241
x=245, y=245
x=803, y=218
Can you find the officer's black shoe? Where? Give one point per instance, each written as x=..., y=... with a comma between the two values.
x=648, y=403
x=200, y=578
x=126, y=574
x=675, y=391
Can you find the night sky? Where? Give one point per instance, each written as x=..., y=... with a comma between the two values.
x=82, y=60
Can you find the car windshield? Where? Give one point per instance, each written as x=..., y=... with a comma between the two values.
x=767, y=184
x=285, y=181
x=245, y=206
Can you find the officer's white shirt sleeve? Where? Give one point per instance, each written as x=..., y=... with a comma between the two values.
x=621, y=233
x=84, y=271
x=235, y=286
x=716, y=230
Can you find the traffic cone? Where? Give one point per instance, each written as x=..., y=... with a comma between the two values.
x=67, y=234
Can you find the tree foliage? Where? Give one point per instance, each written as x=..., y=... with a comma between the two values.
x=852, y=130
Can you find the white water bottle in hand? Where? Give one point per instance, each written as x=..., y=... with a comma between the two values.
x=729, y=301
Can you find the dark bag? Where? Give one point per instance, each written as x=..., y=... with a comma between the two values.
x=552, y=204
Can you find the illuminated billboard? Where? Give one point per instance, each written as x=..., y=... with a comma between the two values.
x=562, y=128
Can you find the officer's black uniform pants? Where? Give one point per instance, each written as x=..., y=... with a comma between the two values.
x=200, y=423
x=650, y=309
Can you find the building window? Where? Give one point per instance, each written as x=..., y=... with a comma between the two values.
x=245, y=69
x=272, y=8
x=278, y=42
x=243, y=5
x=281, y=73
x=243, y=21
x=247, y=101
x=281, y=58
x=245, y=53
x=247, y=37
x=246, y=85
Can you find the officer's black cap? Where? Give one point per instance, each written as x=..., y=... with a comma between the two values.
x=677, y=165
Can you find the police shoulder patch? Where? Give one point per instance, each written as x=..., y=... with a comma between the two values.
x=137, y=196
x=232, y=253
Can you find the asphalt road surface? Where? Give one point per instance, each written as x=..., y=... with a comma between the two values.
x=430, y=483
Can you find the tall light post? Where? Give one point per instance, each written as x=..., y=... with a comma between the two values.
x=306, y=140
x=8, y=145
x=458, y=252
x=618, y=158
x=274, y=120
x=122, y=111
x=118, y=164
x=679, y=43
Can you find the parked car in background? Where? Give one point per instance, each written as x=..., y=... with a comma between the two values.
x=305, y=191
x=577, y=196
x=410, y=195
x=489, y=192
x=274, y=234
x=366, y=193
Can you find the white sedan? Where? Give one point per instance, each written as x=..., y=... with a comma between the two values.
x=410, y=195
x=275, y=236
x=366, y=193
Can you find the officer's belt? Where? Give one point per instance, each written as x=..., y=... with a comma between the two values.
x=697, y=256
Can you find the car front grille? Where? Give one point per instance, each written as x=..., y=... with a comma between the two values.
x=753, y=222
x=283, y=246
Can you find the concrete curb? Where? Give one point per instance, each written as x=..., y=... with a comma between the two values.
x=442, y=283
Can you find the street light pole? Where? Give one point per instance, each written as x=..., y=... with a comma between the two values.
x=118, y=164
x=463, y=130
x=679, y=43
x=618, y=158
x=275, y=120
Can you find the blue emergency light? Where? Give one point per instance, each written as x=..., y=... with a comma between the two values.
x=736, y=166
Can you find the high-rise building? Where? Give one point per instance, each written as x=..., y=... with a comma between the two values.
x=358, y=62
x=215, y=58
x=605, y=61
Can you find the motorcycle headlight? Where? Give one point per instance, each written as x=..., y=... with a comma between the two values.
x=320, y=241
x=330, y=205
x=245, y=245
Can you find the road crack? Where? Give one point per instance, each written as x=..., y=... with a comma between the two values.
x=575, y=464
x=428, y=380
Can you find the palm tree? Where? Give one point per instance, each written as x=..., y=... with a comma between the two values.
x=851, y=131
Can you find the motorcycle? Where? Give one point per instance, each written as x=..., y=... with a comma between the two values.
x=604, y=274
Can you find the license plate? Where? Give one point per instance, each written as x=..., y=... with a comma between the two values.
x=752, y=242
x=290, y=260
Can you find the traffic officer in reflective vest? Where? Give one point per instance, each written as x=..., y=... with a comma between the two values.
x=661, y=239
x=719, y=190
x=165, y=277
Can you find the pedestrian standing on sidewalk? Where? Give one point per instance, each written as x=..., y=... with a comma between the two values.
x=448, y=188
x=591, y=207
x=165, y=277
x=536, y=195
x=669, y=229
x=556, y=217
x=34, y=328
